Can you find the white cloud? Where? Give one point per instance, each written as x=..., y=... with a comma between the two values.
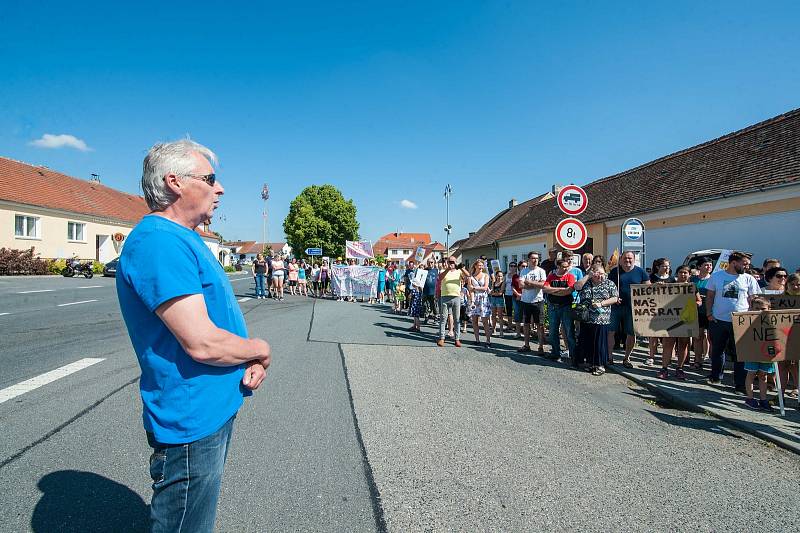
x=407, y=204
x=49, y=140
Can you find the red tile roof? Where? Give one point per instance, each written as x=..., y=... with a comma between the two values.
x=761, y=156
x=253, y=247
x=401, y=240
x=39, y=186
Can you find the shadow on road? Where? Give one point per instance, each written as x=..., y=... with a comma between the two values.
x=86, y=502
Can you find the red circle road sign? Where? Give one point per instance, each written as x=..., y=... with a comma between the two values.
x=572, y=200
x=571, y=234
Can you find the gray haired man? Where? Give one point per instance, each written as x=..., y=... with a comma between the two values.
x=189, y=336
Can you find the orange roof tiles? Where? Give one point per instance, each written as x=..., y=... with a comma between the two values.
x=39, y=186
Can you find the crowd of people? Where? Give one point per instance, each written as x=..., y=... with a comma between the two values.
x=581, y=307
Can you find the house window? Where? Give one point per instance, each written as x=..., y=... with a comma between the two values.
x=393, y=252
x=27, y=226
x=76, y=231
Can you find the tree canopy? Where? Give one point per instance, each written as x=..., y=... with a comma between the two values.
x=320, y=217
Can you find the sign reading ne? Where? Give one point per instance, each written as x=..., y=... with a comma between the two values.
x=665, y=309
x=767, y=336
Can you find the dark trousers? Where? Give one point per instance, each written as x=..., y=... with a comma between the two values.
x=431, y=309
x=722, y=344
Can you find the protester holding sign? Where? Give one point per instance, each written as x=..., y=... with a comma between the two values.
x=729, y=291
x=597, y=295
x=758, y=369
x=415, y=306
x=660, y=274
x=623, y=276
x=775, y=280
x=679, y=344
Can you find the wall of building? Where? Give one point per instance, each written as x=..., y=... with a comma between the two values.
x=763, y=223
x=518, y=249
x=469, y=256
x=52, y=240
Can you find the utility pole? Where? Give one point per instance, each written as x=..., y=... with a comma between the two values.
x=448, y=191
x=265, y=197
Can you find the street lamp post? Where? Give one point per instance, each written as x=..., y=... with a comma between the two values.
x=447, y=228
x=265, y=197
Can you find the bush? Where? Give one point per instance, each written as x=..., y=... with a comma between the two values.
x=230, y=268
x=22, y=262
x=97, y=267
x=57, y=266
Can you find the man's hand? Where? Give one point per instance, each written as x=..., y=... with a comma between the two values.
x=254, y=374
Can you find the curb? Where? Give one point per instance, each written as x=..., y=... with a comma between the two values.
x=677, y=401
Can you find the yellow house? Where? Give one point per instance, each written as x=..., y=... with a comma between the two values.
x=63, y=217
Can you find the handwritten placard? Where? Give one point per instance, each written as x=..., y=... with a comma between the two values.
x=767, y=336
x=665, y=310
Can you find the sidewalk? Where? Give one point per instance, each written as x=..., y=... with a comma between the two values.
x=719, y=401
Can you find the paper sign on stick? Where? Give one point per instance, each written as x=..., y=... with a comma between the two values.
x=783, y=301
x=767, y=336
x=665, y=310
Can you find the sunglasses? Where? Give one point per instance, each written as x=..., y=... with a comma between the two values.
x=781, y=275
x=210, y=179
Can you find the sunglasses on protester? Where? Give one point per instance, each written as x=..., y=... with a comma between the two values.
x=210, y=179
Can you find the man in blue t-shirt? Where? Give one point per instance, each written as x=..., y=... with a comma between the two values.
x=189, y=336
x=623, y=276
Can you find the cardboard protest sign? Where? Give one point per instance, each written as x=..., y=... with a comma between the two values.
x=783, y=301
x=665, y=310
x=495, y=266
x=767, y=336
x=419, y=278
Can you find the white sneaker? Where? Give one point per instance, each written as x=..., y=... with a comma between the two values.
x=649, y=362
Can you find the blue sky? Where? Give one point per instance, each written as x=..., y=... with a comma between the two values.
x=389, y=101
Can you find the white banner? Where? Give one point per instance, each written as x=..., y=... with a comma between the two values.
x=359, y=250
x=355, y=281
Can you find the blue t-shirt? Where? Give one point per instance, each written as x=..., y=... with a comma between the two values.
x=382, y=275
x=430, y=282
x=301, y=273
x=183, y=400
x=636, y=276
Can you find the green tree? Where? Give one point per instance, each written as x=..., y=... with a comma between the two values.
x=320, y=217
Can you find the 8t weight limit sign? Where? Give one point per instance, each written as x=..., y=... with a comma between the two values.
x=571, y=234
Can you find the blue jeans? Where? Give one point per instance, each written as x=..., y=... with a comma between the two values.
x=260, y=285
x=561, y=314
x=186, y=481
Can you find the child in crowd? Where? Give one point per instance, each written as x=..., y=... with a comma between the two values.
x=759, y=303
x=399, y=297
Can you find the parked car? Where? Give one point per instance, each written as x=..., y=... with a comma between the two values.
x=693, y=258
x=110, y=268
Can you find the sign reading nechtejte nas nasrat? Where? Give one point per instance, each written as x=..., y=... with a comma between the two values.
x=665, y=309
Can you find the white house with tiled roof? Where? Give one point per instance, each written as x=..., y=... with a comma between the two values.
x=61, y=216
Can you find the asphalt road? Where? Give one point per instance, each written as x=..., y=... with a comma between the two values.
x=454, y=439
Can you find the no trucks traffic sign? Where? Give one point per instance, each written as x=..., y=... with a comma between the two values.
x=572, y=200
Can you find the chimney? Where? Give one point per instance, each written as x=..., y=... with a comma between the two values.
x=471, y=233
x=512, y=203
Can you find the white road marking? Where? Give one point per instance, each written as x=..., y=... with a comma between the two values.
x=31, y=292
x=76, y=303
x=240, y=279
x=43, y=379
x=244, y=299
x=90, y=287
x=3, y=314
